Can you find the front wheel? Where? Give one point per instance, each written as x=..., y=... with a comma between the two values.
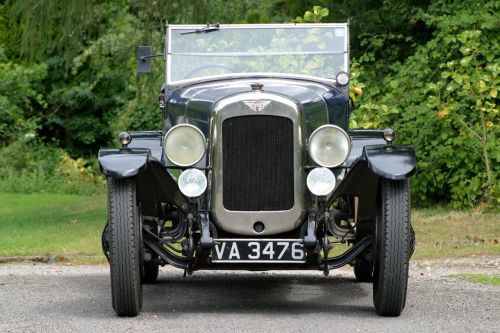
x=124, y=247
x=392, y=248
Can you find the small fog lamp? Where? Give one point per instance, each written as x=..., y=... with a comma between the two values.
x=321, y=181
x=125, y=138
x=389, y=135
x=192, y=183
x=342, y=78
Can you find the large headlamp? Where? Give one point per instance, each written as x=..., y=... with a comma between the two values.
x=329, y=146
x=184, y=145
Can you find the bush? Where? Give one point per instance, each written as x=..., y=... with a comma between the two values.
x=443, y=100
x=28, y=166
x=19, y=95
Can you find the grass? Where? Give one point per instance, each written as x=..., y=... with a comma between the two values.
x=60, y=227
x=448, y=233
x=51, y=224
x=493, y=280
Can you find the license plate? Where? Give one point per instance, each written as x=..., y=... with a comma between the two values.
x=258, y=251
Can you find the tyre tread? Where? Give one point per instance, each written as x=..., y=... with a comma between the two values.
x=124, y=261
x=392, y=278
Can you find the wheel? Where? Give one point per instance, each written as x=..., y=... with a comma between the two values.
x=363, y=270
x=105, y=241
x=150, y=271
x=392, y=248
x=124, y=247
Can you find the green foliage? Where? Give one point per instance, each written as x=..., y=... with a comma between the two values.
x=314, y=16
x=18, y=93
x=427, y=68
x=47, y=27
x=29, y=166
x=90, y=90
x=443, y=99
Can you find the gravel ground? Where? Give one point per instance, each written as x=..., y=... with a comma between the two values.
x=56, y=298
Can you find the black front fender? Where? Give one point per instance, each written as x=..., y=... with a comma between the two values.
x=123, y=163
x=155, y=185
x=394, y=162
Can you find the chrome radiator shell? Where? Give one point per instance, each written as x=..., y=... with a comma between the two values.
x=242, y=222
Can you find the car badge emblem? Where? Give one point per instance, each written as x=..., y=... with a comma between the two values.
x=257, y=106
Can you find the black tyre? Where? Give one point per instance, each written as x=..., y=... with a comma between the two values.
x=150, y=272
x=124, y=247
x=392, y=248
x=363, y=270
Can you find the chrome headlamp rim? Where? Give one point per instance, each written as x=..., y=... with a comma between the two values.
x=331, y=182
x=125, y=138
x=339, y=82
x=169, y=132
x=194, y=172
x=319, y=129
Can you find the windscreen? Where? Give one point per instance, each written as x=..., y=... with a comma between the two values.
x=315, y=50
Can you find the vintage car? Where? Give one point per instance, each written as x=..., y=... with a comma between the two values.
x=255, y=167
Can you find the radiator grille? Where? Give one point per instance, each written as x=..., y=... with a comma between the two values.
x=257, y=163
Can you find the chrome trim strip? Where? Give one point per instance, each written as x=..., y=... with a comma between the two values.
x=168, y=47
x=265, y=79
x=259, y=261
x=262, y=26
x=256, y=75
x=295, y=240
x=241, y=222
x=246, y=54
x=347, y=49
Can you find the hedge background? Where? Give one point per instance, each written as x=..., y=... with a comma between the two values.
x=429, y=69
